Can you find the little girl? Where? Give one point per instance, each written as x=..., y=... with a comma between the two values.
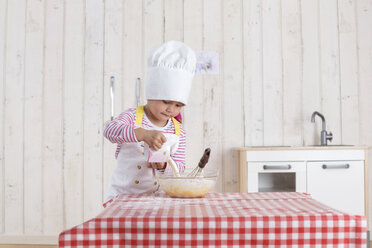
x=170, y=71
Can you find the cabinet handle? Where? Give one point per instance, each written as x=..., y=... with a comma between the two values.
x=336, y=166
x=277, y=167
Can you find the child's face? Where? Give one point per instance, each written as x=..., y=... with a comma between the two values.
x=162, y=110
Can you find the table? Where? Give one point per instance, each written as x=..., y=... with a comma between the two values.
x=286, y=219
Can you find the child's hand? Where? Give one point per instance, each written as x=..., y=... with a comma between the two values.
x=157, y=165
x=155, y=139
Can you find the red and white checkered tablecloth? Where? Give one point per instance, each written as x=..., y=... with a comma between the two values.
x=218, y=220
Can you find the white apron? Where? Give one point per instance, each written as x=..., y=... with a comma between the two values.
x=131, y=174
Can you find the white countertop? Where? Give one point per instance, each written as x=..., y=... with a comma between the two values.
x=316, y=147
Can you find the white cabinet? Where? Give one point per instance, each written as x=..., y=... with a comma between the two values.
x=339, y=184
x=335, y=176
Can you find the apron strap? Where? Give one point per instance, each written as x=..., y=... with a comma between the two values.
x=139, y=117
x=177, y=129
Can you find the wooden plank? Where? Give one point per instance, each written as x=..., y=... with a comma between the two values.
x=194, y=113
x=153, y=30
x=348, y=72
x=253, y=91
x=272, y=73
x=243, y=172
x=33, y=116
x=153, y=34
x=232, y=124
x=134, y=61
x=364, y=42
x=53, y=119
x=14, y=118
x=113, y=67
x=213, y=84
x=3, y=19
x=292, y=73
x=174, y=17
x=28, y=246
x=330, y=67
x=311, y=87
x=73, y=81
x=93, y=111
x=28, y=240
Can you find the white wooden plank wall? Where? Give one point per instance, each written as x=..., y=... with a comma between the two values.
x=349, y=94
x=192, y=23
x=212, y=87
x=272, y=73
x=364, y=45
x=74, y=43
x=133, y=58
x=3, y=19
x=279, y=62
x=330, y=66
x=93, y=107
x=33, y=113
x=253, y=72
x=292, y=72
x=310, y=94
x=52, y=121
x=364, y=32
x=113, y=64
x=14, y=117
x=232, y=91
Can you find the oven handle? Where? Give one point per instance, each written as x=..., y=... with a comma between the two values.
x=335, y=166
x=277, y=167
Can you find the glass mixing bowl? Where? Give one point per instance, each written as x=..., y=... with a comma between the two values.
x=187, y=186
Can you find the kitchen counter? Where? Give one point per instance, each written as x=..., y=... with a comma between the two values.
x=335, y=175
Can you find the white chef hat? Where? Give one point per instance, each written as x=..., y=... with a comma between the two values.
x=171, y=68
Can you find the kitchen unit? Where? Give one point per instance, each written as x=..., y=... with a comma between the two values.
x=334, y=175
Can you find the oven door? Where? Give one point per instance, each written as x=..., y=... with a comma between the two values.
x=277, y=176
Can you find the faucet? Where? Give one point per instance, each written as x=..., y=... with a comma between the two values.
x=324, y=136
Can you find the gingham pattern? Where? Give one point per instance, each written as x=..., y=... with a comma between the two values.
x=218, y=220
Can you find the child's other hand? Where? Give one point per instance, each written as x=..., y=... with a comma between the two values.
x=155, y=139
x=157, y=165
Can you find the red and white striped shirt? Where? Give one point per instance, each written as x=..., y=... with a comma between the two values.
x=121, y=130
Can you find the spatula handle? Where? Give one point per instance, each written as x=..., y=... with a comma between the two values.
x=204, y=160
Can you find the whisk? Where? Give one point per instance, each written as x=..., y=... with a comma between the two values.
x=203, y=161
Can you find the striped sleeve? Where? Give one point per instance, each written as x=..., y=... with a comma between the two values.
x=121, y=129
x=179, y=156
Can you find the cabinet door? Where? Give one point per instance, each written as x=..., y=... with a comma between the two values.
x=283, y=176
x=339, y=184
